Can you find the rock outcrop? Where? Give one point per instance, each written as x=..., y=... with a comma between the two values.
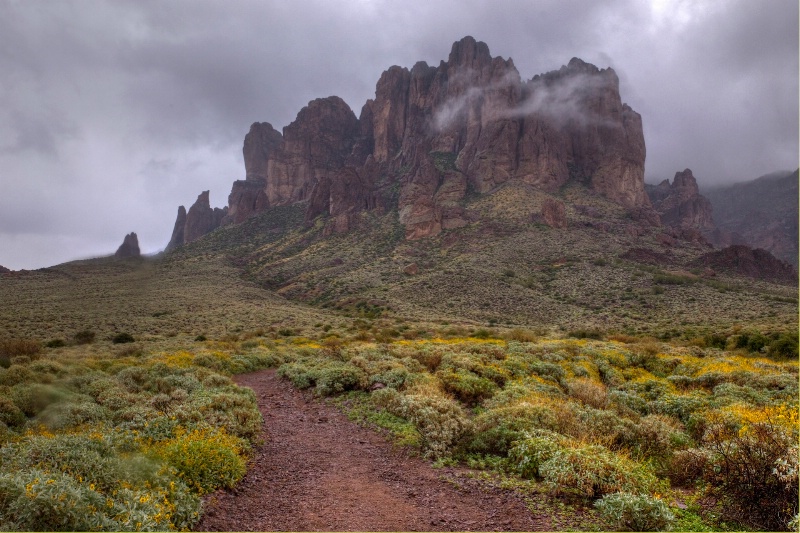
x=680, y=204
x=198, y=221
x=177, y=230
x=554, y=213
x=4, y=270
x=745, y=261
x=432, y=133
x=129, y=247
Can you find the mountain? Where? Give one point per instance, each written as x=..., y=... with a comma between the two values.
x=762, y=213
x=462, y=194
x=435, y=134
x=681, y=206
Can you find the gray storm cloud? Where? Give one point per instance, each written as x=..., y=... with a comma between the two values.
x=115, y=113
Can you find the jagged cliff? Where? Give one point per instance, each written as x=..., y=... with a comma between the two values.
x=433, y=133
x=200, y=220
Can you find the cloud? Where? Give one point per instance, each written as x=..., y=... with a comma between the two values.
x=115, y=113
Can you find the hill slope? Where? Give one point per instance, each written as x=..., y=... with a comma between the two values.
x=762, y=212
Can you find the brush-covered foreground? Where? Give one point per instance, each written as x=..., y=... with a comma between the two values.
x=113, y=372
x=639, y=434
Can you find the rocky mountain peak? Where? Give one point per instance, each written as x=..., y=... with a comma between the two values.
x=686, y=183
x=469, y=53
x=680, y=204
x=198, y=221
x=129, y=247
x=259, y=143
x=430, y=134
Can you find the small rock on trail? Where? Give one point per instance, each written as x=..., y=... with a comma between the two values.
x=318, y=471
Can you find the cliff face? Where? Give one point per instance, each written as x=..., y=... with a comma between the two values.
x=680, y=204
x=434, y=132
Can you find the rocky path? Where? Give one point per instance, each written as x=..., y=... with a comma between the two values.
x=318, y=471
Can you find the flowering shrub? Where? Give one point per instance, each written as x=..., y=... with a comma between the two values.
x=205, y=459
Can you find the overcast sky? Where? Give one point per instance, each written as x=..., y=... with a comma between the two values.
x=114, y=113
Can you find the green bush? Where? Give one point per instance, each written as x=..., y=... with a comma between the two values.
x=635, y=512
x=465, y=385
x=528, y=454
x=122, y=338
x=10, y=414
x=85, y=336
x=594, y=471
x=496, y=430
x=784, y=347
x=441, y=422
x=55, y=343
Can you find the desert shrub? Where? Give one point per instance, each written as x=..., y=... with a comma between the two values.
x=529, y=453
x=133, y=378
x=728, y=393
x=36, y=500
x=429, y=357
x=55, y=343
x=33, y=398
x=10, y=414
x=521, y=335
x=440, y=421
x=465, y=385
x=594, y=471
x=234, y=410
x=328, y=376
x=85, y=336
x=549, y=371
x=335, y=379
x=682, y=406
x=205, y=459
x=122, y=338
x=83, y=482
x=588, y=392
x=658, y=436
x=687, y=466
x=585, y=334
x=496, y=430
x=609, y=375
x=649, y=388
x=754, y=464
x=63, y=415
x=605, y=426
x=784, y=347
x=628, y=401
x=635, y=512
x=10, y=348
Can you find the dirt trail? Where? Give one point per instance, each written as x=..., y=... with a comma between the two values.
x=318, y=471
